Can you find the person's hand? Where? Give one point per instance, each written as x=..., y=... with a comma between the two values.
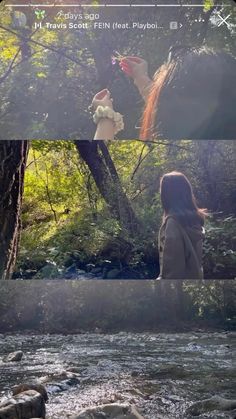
x=102, y=98
x=135, y=67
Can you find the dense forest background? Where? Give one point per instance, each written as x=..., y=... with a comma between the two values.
x=92, y=209
x=49, y=76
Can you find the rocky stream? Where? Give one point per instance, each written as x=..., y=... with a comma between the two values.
x=170, y=376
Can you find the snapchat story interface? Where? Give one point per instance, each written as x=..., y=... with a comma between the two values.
x=81, y=32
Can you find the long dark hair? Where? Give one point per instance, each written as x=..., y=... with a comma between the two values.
x=178, y=199
x=193, y=96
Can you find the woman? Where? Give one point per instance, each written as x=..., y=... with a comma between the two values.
x=181, y=233
x=192, y=95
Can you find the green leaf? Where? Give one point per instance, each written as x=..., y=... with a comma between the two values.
x=41, y=75
x=208, y=4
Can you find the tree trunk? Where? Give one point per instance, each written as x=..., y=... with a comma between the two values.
x=97, y=157
x=13, y=155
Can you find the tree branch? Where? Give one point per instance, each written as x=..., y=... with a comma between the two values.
x=12, y=66
x=140, y=160
x=45, y=46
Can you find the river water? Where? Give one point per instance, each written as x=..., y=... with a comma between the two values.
x=162, y=374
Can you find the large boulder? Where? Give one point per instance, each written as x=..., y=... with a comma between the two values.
x=14, y=356
x=24, y=405
x=109, y=411
x=208, y=405
x=30, y=386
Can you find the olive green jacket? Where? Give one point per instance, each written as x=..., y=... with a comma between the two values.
x=180, y=250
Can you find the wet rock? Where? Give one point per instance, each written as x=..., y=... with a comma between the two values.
x=112, y=274
x=14, y=356
x=96, y=271
x=30, y=386
x=135, y=373
x=89, y=266
x=70, y=272
x=109, y=411
x=64, y=385
x=112, y=398
x=62, y=381
x=76, y=370
x=49, y=271
x=23, y=406
x=208, y=405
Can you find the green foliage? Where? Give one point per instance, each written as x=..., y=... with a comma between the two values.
x=213, y=300
x=67, y=225
x=220, y=248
